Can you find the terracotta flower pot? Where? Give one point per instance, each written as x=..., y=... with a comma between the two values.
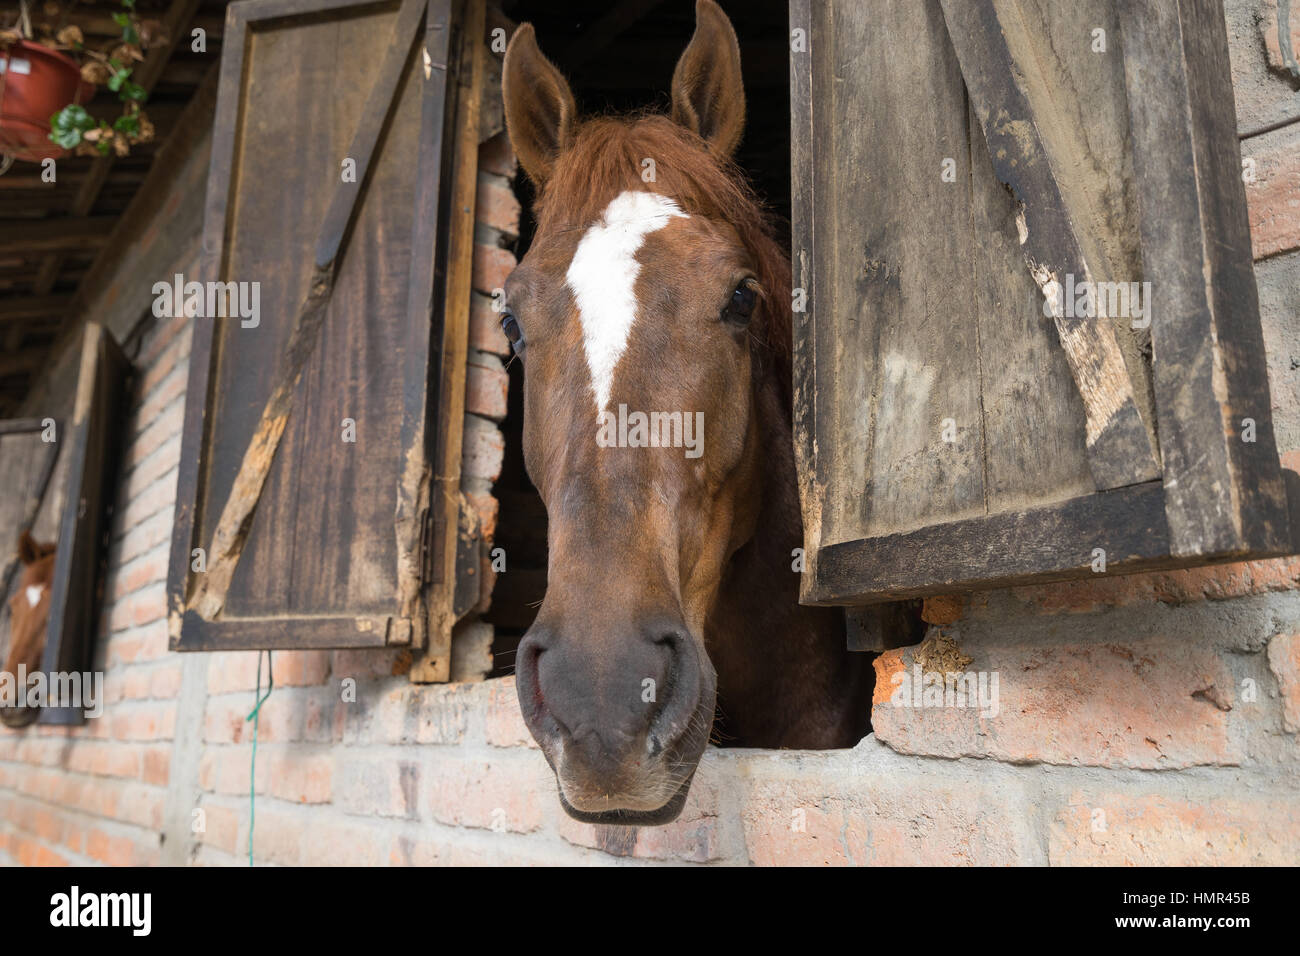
x=35, y=83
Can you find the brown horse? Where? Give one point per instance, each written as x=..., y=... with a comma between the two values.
x=29, y=615
x=653, y=321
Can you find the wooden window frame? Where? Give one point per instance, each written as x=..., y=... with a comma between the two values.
x=92, y=439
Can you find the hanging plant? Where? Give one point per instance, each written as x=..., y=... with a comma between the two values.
x=72, y=127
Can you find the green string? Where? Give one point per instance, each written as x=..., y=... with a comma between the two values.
x=253, y=716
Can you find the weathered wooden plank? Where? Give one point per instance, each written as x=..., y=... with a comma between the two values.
x=883, y=627
x=191, y=492
x=435, y=665
x=804, y=248
x=65, y=234
x=899, y=368
x=230, y=533
x=1034, y=425
x=1118, y=441
x=1128, y=524
x=1223, y=493
x=94, y=444
x=33, y=307
x=414, y=478
x=283, y=633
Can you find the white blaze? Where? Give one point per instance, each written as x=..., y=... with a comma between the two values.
x=34, y=592
x=602, y=277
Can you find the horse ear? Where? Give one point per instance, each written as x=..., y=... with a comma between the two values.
x=708, y=94
x=540, y=112
x=29, y=552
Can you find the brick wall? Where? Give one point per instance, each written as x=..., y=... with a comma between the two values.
x=1146, y=719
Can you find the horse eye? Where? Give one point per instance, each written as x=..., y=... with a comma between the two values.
x=741, y=305
x=514, y=332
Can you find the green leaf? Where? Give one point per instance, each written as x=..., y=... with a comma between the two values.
x=133, y=91
x=122, y=19
x=119, y=77
x=129, y=4
x=128, y=123
x=67, y=125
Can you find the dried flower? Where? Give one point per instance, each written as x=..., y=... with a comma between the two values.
x=95, y=72
x=124, y=53
x=147, y=130
x=152, y=34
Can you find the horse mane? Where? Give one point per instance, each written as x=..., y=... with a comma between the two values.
x=604, y=158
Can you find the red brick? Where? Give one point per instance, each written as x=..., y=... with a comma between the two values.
x=484, y=449
x=504, y=723
x=1113, y=829
x=112, y=850
x=161, y=349
x=486, y=386
x=165, y=681
x=159, y=496
x=144, y=537
x=496, y=205
x=301, y=777
x=1273, y=199
x=30, y=853
x=1215, y=583
x=821, y=818
x=486, y=507
x=156, y=766
x=383, y=787
x=225, y=770
x=220, y=829
x=1284, y=662
x=167, y=391
x=491, y=266
x=156, y=433
x=496, y=156
x=485, y=327
x=504, y=795
x=332, y=843
x=411, y=714
x=278, y=837
x=1121, y=703
x=163, y=460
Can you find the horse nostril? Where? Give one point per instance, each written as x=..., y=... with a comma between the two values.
x=679, y=696
x=527, y=682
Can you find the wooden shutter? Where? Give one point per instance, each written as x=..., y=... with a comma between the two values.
x=92, y=440
x=311, y=541
x=70, y=504
x=1075, y=437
